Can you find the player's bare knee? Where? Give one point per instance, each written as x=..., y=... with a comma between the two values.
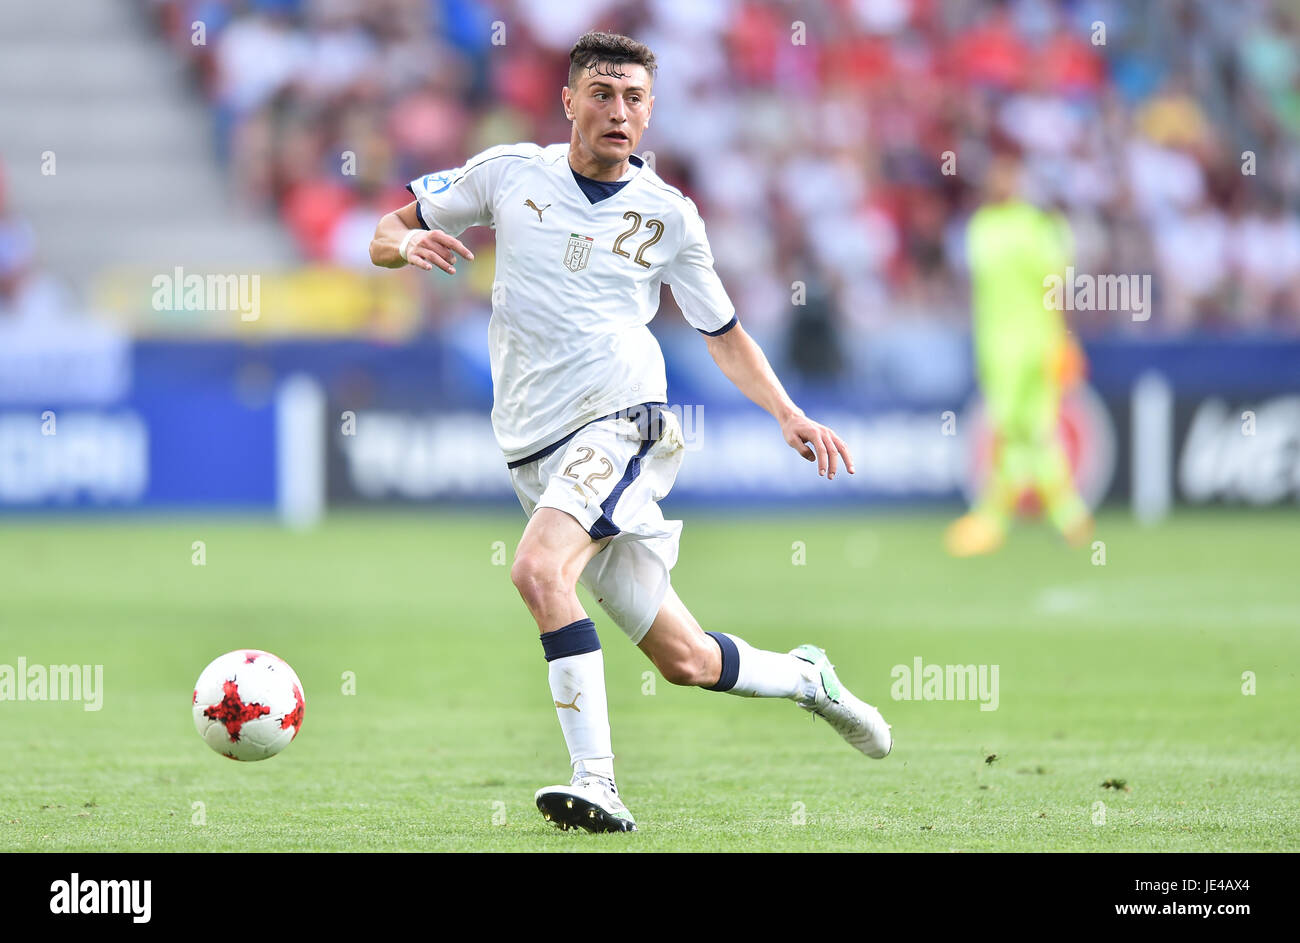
x=677, y=671
x=537, y=579
x=686, y=668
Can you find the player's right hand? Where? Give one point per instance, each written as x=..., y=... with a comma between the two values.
x=436, y=248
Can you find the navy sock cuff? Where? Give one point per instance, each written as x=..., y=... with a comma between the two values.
x=576, y=638
x=730, y=662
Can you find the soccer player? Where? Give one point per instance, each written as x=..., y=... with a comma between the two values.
x=1025, y=358
x=586, y=233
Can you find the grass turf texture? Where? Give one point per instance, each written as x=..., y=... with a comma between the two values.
x=1129, y=671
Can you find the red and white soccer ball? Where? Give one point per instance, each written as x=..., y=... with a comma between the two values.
x=248, y=705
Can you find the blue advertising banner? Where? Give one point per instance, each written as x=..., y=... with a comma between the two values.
x=131, y=437
x=110, y=424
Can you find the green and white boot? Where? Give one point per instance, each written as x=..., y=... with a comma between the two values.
x=856, y=721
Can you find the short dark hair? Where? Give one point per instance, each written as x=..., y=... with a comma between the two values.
x=594, y=50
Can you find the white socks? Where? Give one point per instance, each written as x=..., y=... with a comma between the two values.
x=576, y=670
x=753, y=672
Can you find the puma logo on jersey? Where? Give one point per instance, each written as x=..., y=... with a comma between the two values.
x=539, y=210
x=574, y=706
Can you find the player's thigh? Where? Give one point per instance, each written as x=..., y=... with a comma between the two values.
x=611, y=468
x=1015, y=401
x=1034, y=412
x=679, y=648
x=554, y=541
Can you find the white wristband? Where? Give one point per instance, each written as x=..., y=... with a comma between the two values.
x=406, y=242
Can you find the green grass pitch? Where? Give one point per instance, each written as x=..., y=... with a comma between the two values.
x=1130, y=671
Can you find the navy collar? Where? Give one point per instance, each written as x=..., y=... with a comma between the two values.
x=597, y=190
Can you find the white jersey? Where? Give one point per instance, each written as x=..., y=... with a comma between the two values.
x=576, y=285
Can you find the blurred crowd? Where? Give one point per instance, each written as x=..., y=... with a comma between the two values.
x=28, y=296
x=837, y=143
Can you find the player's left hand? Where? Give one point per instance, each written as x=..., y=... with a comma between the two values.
x=1068, y=365
x=817, y=443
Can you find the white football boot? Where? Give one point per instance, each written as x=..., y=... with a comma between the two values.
x=590, y=802
x=856, y=721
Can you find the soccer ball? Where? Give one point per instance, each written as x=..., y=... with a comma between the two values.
x=248, y=705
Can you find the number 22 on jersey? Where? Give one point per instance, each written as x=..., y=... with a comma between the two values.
x=654, y=225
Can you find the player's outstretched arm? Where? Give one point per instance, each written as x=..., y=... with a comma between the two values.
x=401, y=231
x=743, y=363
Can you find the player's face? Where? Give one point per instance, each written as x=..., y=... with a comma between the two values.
x=1003, y=179
x=610, y=112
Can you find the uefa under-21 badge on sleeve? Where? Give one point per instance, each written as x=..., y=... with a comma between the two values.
x=436, y=183
x=578, y=252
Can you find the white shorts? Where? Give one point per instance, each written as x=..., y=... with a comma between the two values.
x=608, y=476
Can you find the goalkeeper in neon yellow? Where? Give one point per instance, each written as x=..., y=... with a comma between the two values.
x=1024, y=357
